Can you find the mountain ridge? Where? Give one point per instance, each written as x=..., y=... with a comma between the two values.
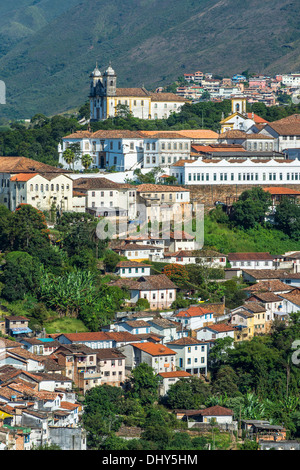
x=148, y=42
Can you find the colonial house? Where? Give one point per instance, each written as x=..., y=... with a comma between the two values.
x=42, y=191
x=146, y=239
x=159, y=357
x=98, y=339
x=208, y=258
x=80, y=363
x=251, y=260
x=20, y=358
x=250, y=319
x=162, y=148
x=112, y=366
x=215, y=331
x=243, y=321
x=135, y=327
x=166, y=328
x=158, y=289
x=245, y=170
x=217, y=414
x=253, y=142
x=131, y=269
x=291, y=259
x=286, y=131
x=273, y=285
x=40, y=346
x=290, y=301
x=180, y=240
x=120, y=150
x=136, y=252
x=103, y=193
x=256, y=275
x=194, y=317
x=170, y=378
x=159, y=194
x=191, y=354
x=273, y=305
x=26, y=181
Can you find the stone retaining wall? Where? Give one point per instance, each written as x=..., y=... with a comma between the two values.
x=209, y=194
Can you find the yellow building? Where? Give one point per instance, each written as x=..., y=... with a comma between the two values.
x=106, y=100
x=250, y=320
x=238, y=119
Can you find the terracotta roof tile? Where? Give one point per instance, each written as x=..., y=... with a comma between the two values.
x=154, y=349
x=265, y=297
x=249, y=257
x=199, y=133
x=281, y=190
x=132, y=264
x=160, y=188
x=185, y=341
x=175, y=374
x=273, y=285
x=155, y=282
x=193, y=312
x=26, y=165
x=171, y=97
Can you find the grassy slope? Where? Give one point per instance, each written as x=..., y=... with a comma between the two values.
x=149, y=42
x=226, y=240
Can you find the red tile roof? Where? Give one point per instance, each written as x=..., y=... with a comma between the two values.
x=249, y=257
x=132, y=264
x=216, y=411
x=154, y=349
x=23, y=177
x=257, y=119
x=185, y=341
x=160, y=188
x=177, y=373
x=280, y=190
x=220, y=327
x=27, y=165
x=193, y=312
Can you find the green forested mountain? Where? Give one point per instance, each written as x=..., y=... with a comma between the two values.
x=49, y=47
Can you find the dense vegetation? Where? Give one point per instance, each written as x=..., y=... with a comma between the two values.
x=246, y=229
x=257, y=379
x=50, y=281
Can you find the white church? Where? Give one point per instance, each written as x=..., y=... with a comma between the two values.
x=105, y=97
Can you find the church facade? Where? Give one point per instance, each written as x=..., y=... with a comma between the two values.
x=106, y=100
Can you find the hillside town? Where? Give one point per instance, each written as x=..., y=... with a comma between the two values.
x=169, y=330
x=270, y=91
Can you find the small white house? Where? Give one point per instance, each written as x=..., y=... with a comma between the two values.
x=159, y=357
x=136, y=252
x=251, y=260
x=194, y=317
x=217, y=413
x=216, y=331
x=132, y=269
x=167, y=379
x=191, y=354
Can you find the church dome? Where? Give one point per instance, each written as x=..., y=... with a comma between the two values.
x=110, y=71
x=96, y=72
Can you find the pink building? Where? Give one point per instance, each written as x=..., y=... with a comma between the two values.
x=111, y=363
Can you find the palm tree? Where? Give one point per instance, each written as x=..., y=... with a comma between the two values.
x=69, y=156
x=86, y=161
